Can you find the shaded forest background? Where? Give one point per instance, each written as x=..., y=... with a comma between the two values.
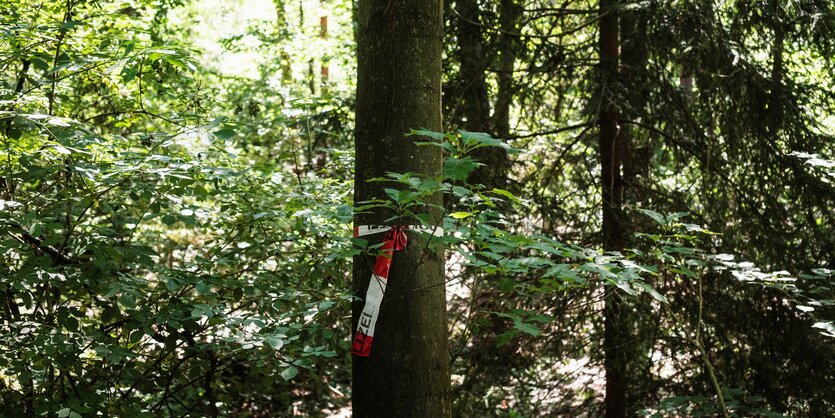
x=176, y=183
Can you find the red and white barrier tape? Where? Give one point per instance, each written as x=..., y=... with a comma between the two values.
x=364, y=230
x=395, y=240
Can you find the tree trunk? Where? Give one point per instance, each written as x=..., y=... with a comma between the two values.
x=637, y=152
x=497, y=163
x=508, y=44
x=284, y=34
x=638, y=334
x=611, y=148
x=775, y=98
x=398, y=89
x=472, y=61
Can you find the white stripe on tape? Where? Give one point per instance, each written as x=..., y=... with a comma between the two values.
x=373, y=300
x=363, y=230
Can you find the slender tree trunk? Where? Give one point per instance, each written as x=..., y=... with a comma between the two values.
x=398, y=89
x=774, y=104
x=509, y=13
x=473, y=63
x=639, y=336
x=324, y=68
x=633, y=66
x=611, y=148
x=474, y=60
x=281, y=23
x=475, y=56
x=497, y=163
x=322, y=137
x=685, y=80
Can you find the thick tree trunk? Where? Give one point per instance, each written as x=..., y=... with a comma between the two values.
x=398, y=89
x=611, y=148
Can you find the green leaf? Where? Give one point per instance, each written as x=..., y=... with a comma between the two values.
x=508, y=195
x=460, y=215
x=225, y=133
x=25, y=376
x=62, y=150
x=657, y=217
x=127, y=300
x=445, y=145
x=527, y=328
x=506, y=285
x=625, y=287
x=289, y=373
x=685, y=271
x=177, y=62
x=129, y=73
x=71, y=324
x=506, y=337
x=274, y=341
x=13, y=133
x=651, y=290
x=64, y=412
x=473, y=140
x=542, y=318
x=431, y=134
x=459, y=168
x=679, y=250
x=479, y=139
x=402, y=196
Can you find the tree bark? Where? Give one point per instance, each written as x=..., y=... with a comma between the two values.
x=398, y=89
x=473, y=63
x=474, y=60
x=633, y=66
x=638, y=336
x=611, y=149
x=284, y=57
x=497, y=163
x=509, y=13
x=775, y=98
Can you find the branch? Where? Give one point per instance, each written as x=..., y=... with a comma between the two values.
x=57, y=258
x=551, y=132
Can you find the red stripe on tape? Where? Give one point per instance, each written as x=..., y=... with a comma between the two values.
x=362, y=345
x=395, y=240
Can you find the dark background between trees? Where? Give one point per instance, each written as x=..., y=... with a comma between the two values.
x=637, y=198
